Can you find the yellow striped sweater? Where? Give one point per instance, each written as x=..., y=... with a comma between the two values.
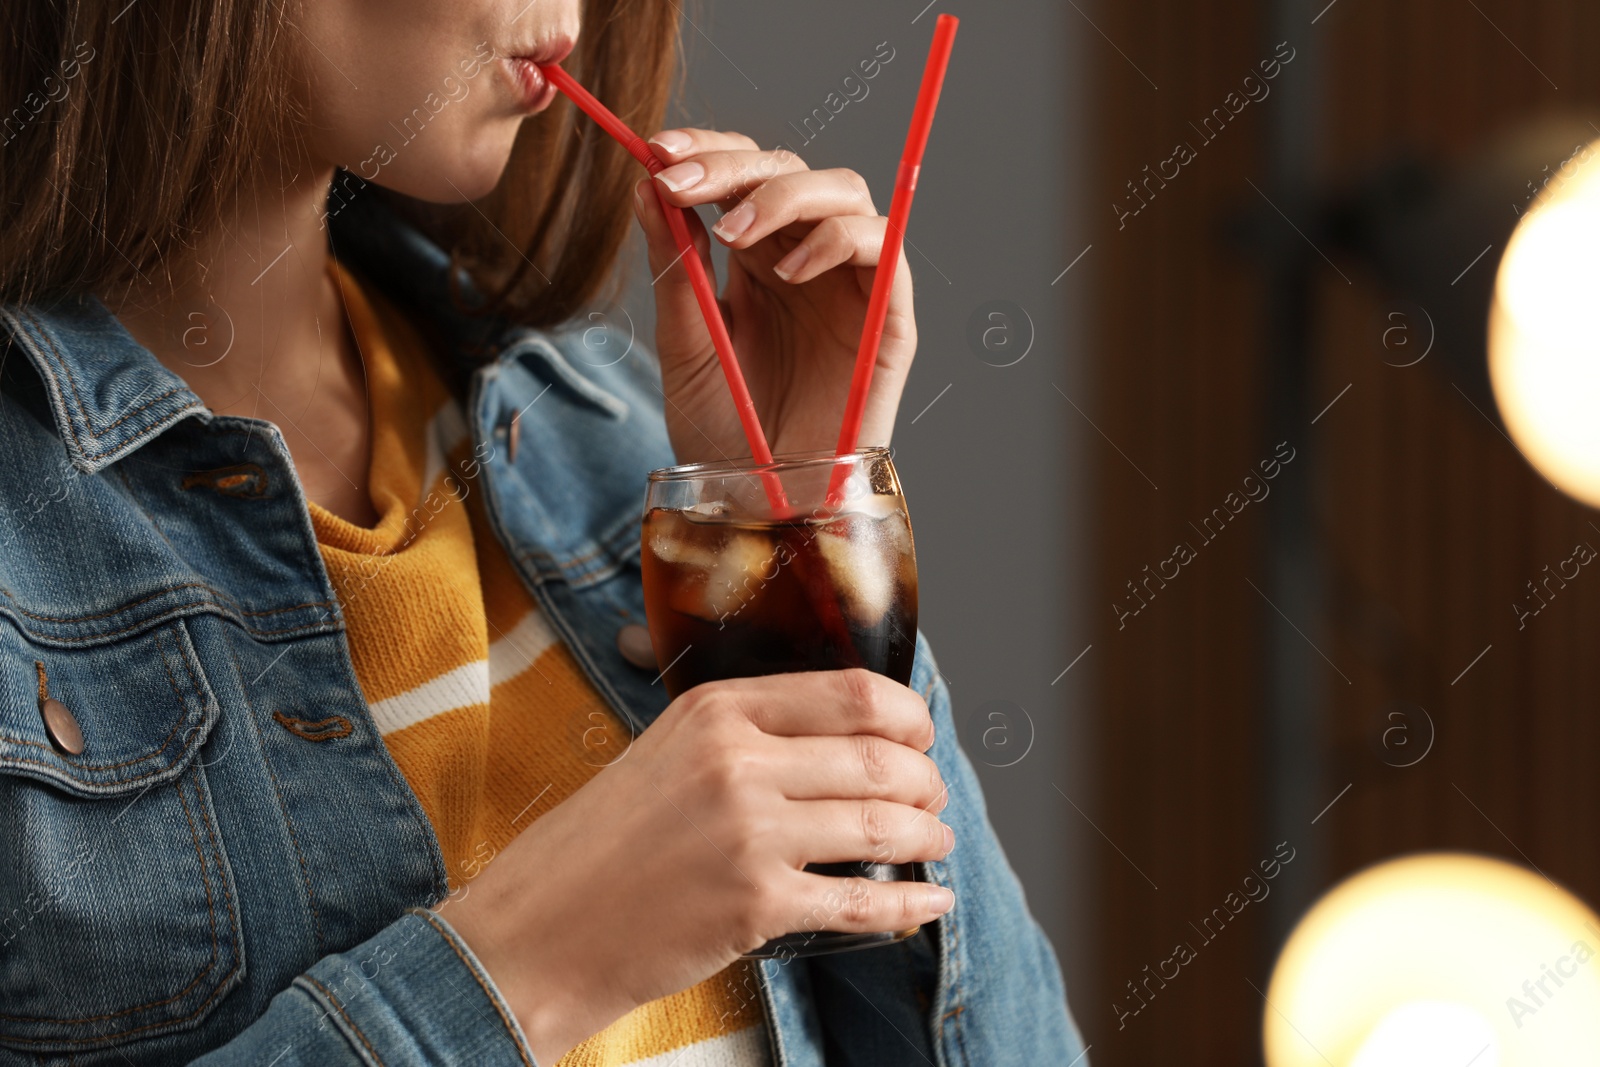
x=484, y=709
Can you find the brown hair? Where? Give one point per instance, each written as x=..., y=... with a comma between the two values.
x=123, y=135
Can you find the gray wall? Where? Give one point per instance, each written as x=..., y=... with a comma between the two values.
x=992, y=468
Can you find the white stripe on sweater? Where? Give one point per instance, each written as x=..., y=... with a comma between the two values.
x=745, y=1048
x=460, y=688
x=515, y=652
x=470, y=683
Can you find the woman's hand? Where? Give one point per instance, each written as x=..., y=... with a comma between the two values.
x=803, y=247
x=689, y=850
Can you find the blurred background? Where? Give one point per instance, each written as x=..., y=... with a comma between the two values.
x=1213, y=277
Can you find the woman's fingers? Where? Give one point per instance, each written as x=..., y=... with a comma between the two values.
x=881, y=831
x=767, y=191
x=807, y=196
x=675, y=145
x=656, y=230
x=818, y=703
x=856, y=905
x=724, y=177
x=853, y=240
x=715, y=166
x=860, y=766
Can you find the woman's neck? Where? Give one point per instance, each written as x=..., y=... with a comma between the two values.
x=254, y=323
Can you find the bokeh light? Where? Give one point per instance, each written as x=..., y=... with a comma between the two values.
x=1438, y=959
x=1544, y=330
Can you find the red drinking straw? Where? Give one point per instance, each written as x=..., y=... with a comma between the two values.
x=905, y=187
x=705, y=295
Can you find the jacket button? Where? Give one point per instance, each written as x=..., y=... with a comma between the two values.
x=633, y=641
x=62, y=727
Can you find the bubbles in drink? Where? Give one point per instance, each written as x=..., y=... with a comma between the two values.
x=860, y=556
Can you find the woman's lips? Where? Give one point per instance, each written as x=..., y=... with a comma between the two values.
x=535, y=89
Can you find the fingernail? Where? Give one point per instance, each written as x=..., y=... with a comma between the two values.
x=734, y=222
x=949, y=839
x=792, y=264
x=673, y=141
x=681, y=177
x=940, y=899
x=638, y=200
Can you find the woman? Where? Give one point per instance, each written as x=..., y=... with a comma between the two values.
x=323, y=732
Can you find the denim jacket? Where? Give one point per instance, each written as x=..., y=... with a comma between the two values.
x=204, y=882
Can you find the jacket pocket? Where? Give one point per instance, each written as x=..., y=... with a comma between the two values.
x=118, y=915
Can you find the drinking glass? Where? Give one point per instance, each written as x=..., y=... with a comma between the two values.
x=737, y=586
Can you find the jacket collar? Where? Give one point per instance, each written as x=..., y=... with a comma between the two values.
x=109, y=395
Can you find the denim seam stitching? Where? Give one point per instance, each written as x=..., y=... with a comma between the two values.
x=951, y=1020
x=83, y=413
x=224, y=601
x=179, y=612
x=205, y=605
x=41, y=363
x=955, y=1021
x=294, y=839
x=328, y=993
x=499, y=1009
x=579, y=571
x=348, y=1019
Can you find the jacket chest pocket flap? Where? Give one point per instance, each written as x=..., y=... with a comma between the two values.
x=118, y=917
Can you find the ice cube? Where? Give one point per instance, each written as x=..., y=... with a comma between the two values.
x=671, y=548
x=873, y=505
x=739, y=570
x=900, y=534
x=879, y=517
x=688, y=597
x=892, y=530
x=860, y=573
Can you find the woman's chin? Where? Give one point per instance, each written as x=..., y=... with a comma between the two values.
x=464, y=174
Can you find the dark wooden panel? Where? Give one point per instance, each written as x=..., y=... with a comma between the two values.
x=1429, y=521
x=1176, y=352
